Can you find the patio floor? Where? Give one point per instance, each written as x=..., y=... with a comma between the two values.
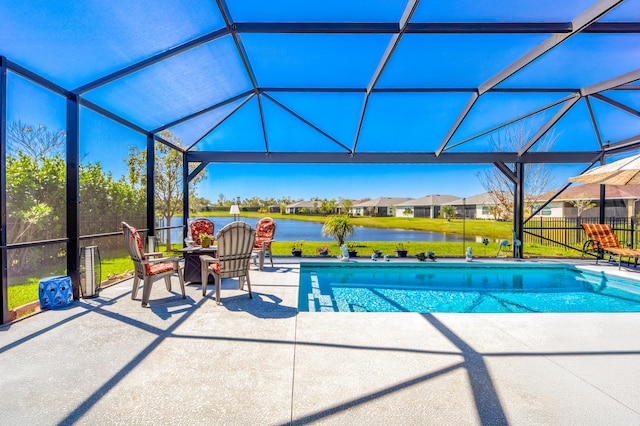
x=109, y=361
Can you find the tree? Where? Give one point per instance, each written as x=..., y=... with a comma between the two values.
x=537, y=176
x=346, y=205
x=407, y=211
x=448, y=212
x=197, y=204
x=338, y=227
x=327, y=206
x=168, y=177
x=495, y=212
x=582, y=203
x=35, y=142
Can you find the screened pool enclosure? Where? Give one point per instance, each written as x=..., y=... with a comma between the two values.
x=89, y=88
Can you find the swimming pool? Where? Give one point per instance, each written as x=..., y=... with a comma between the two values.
x=461, y=287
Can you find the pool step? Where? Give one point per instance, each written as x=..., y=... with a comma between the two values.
x=319, y=302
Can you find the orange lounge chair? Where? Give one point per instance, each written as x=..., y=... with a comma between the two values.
x=602, y=239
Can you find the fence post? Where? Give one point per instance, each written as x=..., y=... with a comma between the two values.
x=541, y=230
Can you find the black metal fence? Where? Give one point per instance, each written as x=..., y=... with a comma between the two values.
x=568, y=232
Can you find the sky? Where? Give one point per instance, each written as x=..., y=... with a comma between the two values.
x=59, y=41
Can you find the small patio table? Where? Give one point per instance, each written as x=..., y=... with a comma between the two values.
x=192, y=269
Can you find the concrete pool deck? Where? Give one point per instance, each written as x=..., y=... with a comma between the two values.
x=258, y=361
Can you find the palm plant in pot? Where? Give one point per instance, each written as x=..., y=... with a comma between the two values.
x=338, y=227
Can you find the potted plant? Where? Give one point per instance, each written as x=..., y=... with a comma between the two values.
x=205, y=240
x=401, y=250
x=353, y=252
x=296, y=249
x=338, y=227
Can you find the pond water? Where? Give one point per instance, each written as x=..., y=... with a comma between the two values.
x=294, y=230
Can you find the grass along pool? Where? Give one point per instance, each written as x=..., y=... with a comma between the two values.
x=462, y=288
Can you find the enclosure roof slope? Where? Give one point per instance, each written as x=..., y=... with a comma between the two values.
x=331, y=80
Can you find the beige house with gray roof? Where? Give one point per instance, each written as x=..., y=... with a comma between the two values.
x=381, y=206
x=428, y=206
x=474, y=207
x=302, y=207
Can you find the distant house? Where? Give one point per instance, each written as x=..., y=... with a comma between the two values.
x=475, y=207
x=382, y=206
x=341, y=209
x=303, y=207
x=621, y=201
x=428, y=206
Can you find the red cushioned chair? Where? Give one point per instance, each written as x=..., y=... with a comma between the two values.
x=149, y=267
x=199, y=226
x=265, y=230
x=235, y=243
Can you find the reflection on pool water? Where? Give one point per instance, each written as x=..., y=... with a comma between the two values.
x=461, y=287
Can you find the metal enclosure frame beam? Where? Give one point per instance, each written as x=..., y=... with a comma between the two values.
x=185, y=197
x=619, y=105
x=612, y=83
x=561, y=157
x=73, y=193
x=518, y=211
x=151, y=176
x=559, y=27
x=594, y=123
x=4, y=281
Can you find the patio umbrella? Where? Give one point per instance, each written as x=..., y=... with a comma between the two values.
x=621, y=172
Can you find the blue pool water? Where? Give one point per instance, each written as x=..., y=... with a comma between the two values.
x=461, y=287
